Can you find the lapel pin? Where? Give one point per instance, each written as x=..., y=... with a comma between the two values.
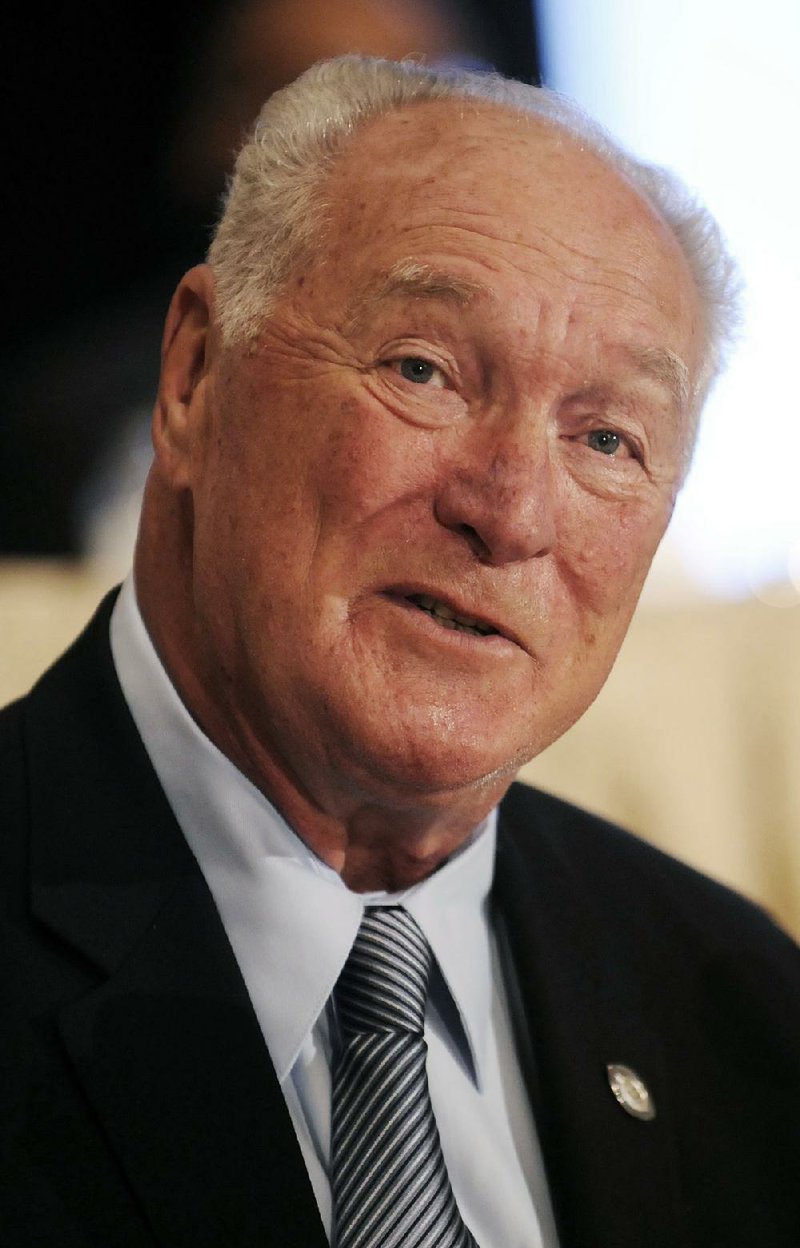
x=631, y=1091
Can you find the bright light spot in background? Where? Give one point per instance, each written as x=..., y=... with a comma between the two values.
x=711, y=88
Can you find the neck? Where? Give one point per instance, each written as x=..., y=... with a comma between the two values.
x=378, y=847
x=373, y=837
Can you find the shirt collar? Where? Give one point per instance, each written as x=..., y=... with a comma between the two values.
x=289, y=917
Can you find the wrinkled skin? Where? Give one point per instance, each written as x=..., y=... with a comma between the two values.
x=457, y=399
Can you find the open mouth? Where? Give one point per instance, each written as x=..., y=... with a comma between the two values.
x=448, y=618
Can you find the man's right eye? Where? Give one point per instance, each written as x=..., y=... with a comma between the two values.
x=415, y=369
x=422, y=372
x=604, y=440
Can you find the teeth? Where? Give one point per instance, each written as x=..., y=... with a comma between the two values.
x=447, y=617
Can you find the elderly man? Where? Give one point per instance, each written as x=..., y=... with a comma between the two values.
x=291, y=960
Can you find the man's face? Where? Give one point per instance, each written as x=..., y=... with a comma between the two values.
x=426, y=498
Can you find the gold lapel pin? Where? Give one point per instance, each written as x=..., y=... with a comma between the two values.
x=631, y=1091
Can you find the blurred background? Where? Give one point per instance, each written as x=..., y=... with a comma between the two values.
x=122, y=121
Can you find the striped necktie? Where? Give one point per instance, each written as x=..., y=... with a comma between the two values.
x=389, y=1180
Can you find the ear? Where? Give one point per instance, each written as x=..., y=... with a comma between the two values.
x=187, y=352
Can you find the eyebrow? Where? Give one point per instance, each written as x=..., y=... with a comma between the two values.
x=415, y=280
x=664, y=366
x=414, y=277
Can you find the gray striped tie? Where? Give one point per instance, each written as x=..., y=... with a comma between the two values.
x=390, y=1185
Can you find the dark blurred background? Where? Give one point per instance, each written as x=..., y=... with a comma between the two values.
x=121, y=125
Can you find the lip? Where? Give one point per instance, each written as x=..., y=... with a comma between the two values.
x=401, y=595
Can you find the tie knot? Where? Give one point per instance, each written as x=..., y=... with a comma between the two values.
x=384, y=983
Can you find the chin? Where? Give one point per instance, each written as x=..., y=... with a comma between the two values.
x=440, y=768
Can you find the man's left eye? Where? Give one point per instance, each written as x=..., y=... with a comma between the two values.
x=605, y=441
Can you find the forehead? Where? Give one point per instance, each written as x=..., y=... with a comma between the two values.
x=507, y=198
x=467, y=159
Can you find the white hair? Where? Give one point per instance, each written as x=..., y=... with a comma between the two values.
x=274, y=212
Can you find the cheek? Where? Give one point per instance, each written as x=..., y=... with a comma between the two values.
x=606, y=553
x=314, y=501
x=369, y=462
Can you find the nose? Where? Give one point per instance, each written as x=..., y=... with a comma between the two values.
x=502, y=500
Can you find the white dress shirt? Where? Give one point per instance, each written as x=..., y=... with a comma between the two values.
x=292, y=921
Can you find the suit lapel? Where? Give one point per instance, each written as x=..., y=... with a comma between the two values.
x=576, y=1009
x=166, y=1045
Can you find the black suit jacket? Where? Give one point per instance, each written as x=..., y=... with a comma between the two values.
x=139, y=1105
